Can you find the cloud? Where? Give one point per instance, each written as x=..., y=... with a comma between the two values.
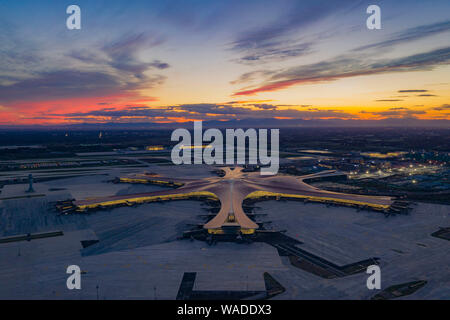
x=273, y=41
x=400, y=108
x=410, y=34
x=411, y=91
x=398, y=113
x=274, y=53
x=247, y=101
x=60, y=84
x=70, y=83
x=18, y=55
x=159, y=65
x=123, y=52
x=265, y=106
x=388, y=100
x=112, y=69
x=127, y=44
x=300, y=16
x=444, y=107
x=206, y=111
x=348, y=66
x=252, y=76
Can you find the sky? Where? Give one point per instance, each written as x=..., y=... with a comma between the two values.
x=182, y=60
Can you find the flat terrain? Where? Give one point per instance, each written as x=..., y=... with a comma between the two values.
x=138, y=256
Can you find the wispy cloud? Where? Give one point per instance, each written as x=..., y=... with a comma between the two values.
x=274, y=41
x=444, y=107
x=348, y=66
x=399, y=108
x=113, y=69
x=410, y=34
x=275, y=52
x=207, y=111
x=411, y=91
x=397, y=113
x=252, y=76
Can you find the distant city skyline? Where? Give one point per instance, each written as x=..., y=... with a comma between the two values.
x=179, y=61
